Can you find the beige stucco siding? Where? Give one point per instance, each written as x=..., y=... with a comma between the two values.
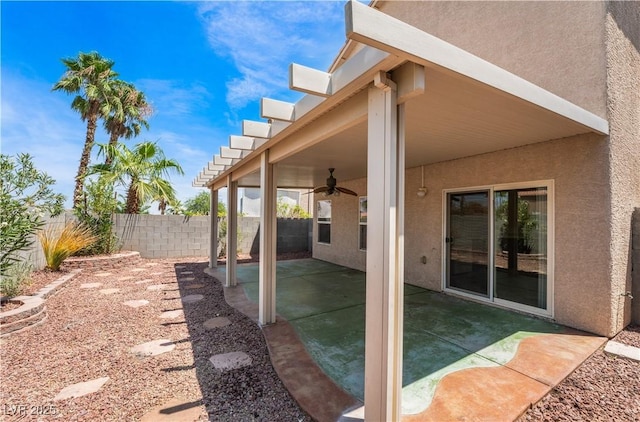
x=556, y=45
x=623, y=113
x=578, y=167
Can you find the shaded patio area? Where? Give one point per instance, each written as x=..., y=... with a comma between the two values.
x=461, y=359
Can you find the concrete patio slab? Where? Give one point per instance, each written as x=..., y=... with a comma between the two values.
x=229, y=361
x=81, y=389
x=462, y=360
x=153, y=348
x=175, y=410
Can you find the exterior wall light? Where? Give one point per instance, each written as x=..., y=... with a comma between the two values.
x=422, y=191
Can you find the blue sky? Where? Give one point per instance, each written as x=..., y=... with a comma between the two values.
x=203, y=66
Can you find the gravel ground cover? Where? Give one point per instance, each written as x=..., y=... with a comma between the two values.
x=89, y=334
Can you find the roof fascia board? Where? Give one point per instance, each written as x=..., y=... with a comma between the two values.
x=372, y=27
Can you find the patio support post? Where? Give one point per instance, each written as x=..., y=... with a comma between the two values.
x=213, y=235
x=232, y=231
x=267, y=270
x=385, y=253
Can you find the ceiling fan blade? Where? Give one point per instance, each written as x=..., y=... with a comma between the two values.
x=321, y=189
x=347, y=191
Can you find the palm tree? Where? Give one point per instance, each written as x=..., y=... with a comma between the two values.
x=129, y=116
x=91, y=77
x=143, y=171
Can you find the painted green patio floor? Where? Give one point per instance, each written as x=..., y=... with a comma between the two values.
x=442, y=334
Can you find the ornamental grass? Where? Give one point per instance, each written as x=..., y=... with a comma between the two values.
x=59, y=245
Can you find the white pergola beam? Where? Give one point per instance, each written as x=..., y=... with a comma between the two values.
x=254, y=129
x=211, y=166
x=245, y=142
x=310, y=81
x=218, y=160
x=372, y=27
x=278, y=110
x=232, y=231
x=226, y=152
x=267, y=265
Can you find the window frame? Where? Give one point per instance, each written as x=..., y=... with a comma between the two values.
x=325, y=221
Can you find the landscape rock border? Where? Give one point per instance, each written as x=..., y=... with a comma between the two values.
x=33, y=310
x=104, y=262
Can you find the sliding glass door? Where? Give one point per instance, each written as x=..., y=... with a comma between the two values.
x=467, y=242
x=497, y=242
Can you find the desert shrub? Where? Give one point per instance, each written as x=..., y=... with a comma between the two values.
x=25, y=198
x=96, y=212
x=59, y=245
x=17, y=278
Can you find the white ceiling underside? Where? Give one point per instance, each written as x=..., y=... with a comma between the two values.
x=456, y=116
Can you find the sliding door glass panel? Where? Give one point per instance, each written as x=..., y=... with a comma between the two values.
x=468, y=242
x=521, y=246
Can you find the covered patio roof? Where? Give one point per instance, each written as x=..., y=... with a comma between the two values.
x=460, y=106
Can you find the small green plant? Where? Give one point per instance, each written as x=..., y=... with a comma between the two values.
x=17, y=279
x=96, y=211
x=58, y=246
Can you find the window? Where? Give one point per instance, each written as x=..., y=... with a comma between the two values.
x=324, y=222
x=362, y=235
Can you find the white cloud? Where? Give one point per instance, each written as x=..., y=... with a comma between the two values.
x=170, y=99
x=263, y=38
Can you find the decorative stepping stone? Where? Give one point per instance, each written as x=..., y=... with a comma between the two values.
x=177, y=409
x=229, y=361
x=138, y=270
x=136, y=303
x=171, y=314
x=126, y=277
x=102, y=274
x=217, y=322
x=156, y=287
x=192, y=298
x=146, y=280
x=187, y=279
x=109, y=291
x=186, y=272
x=153, y=348
x=90, y=285
x=81, y=389
x=194, y=286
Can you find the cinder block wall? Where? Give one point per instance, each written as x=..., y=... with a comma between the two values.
x=34, y=253
x=635, y=267
x=170, y=236
x=163, y=236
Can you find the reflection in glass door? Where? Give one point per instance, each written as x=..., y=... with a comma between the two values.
x=521, y=246
x=467, y=242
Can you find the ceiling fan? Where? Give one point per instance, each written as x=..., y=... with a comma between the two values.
x=331, y=188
